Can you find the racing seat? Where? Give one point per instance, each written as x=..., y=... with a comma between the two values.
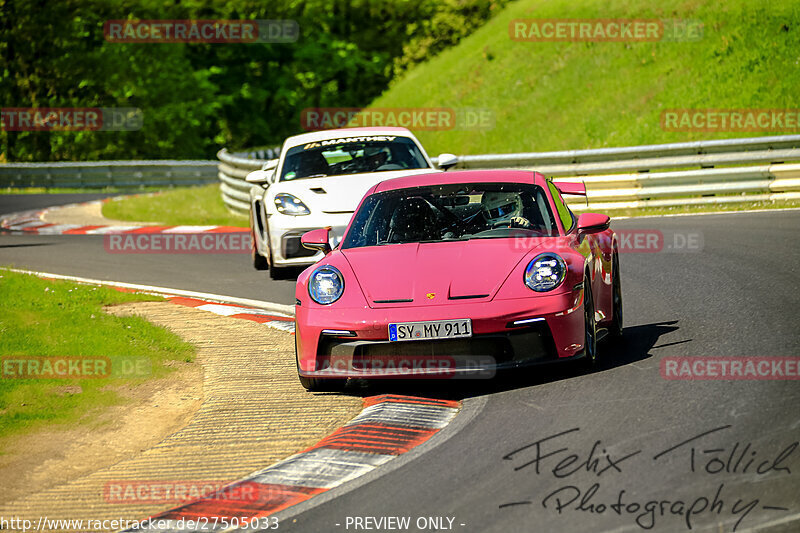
x=412, y=221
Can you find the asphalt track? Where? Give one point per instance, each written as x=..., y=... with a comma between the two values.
x=11, y=203
x=736, y=296
x=86, y=256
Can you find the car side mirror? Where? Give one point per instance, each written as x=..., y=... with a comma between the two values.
x=593, y=223
x=264, y=176
x=445, y=161
x=260, y=177
x=317, y=239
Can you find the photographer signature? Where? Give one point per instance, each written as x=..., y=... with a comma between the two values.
x=552, y=455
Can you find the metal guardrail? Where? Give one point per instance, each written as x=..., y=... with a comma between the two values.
x=643, y=154
x=659, y=175
x=233, y=168
x=108, y=174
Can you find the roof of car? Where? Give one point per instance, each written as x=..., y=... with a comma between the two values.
x=461, y=176
x=344, y=132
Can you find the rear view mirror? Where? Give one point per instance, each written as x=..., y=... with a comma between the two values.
x=452, y=201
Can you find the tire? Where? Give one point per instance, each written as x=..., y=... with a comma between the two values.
x=318, y=384
x=259, y=261
x=589, y=359
x=616, y=327
x=322, y=385
x=275, y=272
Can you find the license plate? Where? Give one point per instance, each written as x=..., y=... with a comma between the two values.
x=435, y=329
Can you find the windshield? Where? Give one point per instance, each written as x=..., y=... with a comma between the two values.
x=352, y=155
x=452, y=212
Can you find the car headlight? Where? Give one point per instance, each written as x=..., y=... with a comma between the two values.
x=326, y=285
x=545, y=272
x=290, y=205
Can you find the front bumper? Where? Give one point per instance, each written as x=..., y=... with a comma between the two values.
x=355, y=342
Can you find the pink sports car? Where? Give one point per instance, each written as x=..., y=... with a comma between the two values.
x=457, y=274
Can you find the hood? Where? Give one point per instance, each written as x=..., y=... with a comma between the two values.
x=337, y=194
x=408, y=274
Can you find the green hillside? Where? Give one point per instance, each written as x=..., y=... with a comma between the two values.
x=572, y=95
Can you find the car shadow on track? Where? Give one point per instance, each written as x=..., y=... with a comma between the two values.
x=288, y=274
x=635, y=345
x=26, y=245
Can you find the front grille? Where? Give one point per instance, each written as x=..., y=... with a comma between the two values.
x=534, y=343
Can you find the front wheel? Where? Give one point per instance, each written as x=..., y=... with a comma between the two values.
x=322, y=385
x=590, y=328
x=275, y=272
x=259, y=261
x=318, y=384
x=615, y=331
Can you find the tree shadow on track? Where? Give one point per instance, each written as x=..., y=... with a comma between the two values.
x=635, y=345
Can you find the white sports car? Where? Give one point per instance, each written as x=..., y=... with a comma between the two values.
x=318, y=181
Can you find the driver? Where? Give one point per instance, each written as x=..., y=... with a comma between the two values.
x=500, y=208
x=376, y=156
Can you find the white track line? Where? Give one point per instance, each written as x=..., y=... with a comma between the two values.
x=280, y=309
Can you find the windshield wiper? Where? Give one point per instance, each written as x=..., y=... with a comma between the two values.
x=422, y=242
x=443, y=240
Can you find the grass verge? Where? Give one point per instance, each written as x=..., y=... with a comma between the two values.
x=43, y=319
x=573, y=95
x=182, y=206
x=84, y=190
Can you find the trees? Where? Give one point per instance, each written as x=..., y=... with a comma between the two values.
x=196, y=98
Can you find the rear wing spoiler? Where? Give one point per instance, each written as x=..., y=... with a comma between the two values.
x=571, y=187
